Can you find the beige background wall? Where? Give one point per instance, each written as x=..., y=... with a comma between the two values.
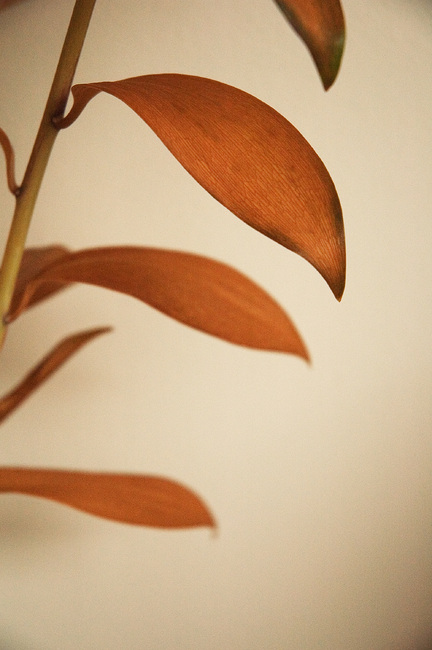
x=320, y=477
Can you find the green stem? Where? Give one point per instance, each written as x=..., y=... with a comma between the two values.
x=45, y=138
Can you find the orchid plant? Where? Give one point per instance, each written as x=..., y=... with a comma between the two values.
x=247, y=156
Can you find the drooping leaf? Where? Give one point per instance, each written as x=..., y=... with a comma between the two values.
x=246, y=155
x=45, y=368
x=321, y=25
x=33, y=262
x=205, y=294
x=127, y=498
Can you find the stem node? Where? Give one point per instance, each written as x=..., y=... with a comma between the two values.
x=27, y=193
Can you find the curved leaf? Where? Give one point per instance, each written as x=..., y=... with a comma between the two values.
x=45, y=368
x=321, y=25
x=8, y=151
x=33, y=262
x=131, y=499
x=246, y=155
x=195, y=290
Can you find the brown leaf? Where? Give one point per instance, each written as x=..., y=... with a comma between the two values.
x=246, y=155
x=33, y=262
x=45, y=368
x=131, y=499
x=195, y=290
x=321, y=25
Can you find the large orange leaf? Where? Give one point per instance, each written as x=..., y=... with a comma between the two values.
x=195, y=290
x=321, y=25
x=33, y=262
x=246, y=155
x=45, y=368
x=131, y=499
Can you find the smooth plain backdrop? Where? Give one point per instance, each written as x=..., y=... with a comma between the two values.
x=320, y=476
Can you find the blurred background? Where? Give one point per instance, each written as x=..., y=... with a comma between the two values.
x=319, y=477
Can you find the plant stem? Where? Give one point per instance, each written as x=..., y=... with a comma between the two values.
x=45, y=138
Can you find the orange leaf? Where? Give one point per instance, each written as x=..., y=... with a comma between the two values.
x=195, y=290
x=321, y=25
x=45, y=368
x=246, y=155
x=131, y=499
x=33, y=262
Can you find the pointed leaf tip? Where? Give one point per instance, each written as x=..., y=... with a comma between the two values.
x=321, y=25
x=126, y=498
x=45, y=368
x=246, y=155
